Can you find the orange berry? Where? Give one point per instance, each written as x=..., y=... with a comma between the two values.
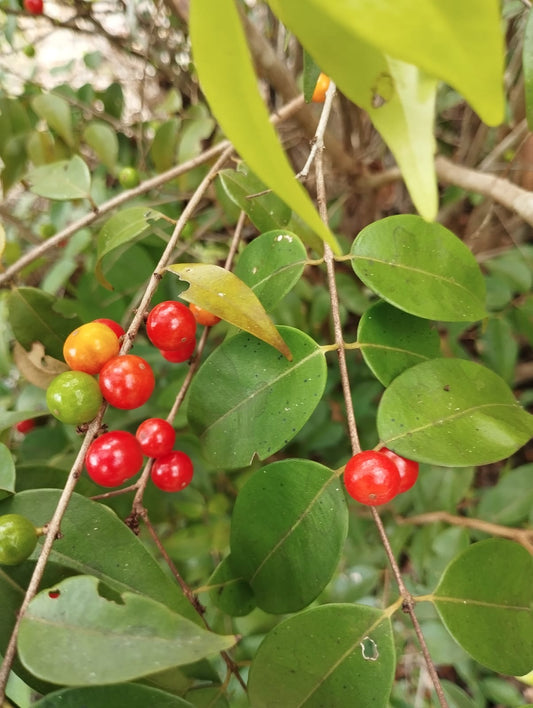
x=90, y=346
x=203, y=317
x=319, y=94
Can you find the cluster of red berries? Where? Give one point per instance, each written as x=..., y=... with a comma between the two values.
x=117, y=456
x=375, y=477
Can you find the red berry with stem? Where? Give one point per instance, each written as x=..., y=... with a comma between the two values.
x=170, y=325
x=126, y=381
x=35, y=7
x=172, y=472
x=113, y=458
x=371, y=478
x=156, y=437
x=408, y=469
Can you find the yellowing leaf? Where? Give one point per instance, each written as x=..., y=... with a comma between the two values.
x=225, y=295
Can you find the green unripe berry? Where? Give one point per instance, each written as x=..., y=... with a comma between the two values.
x=18, y=538
x=74, y=397
x=128, y=177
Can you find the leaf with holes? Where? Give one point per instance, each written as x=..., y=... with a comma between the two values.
x=485, y=600
x=222, y=293
x=336, y=655
x=288, y=528
x=452, y=412
x=392, y=341
x=247, y=399
x=421, y=268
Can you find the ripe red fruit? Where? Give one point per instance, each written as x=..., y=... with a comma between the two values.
x=113, y=458
x=170, y=325
x=126, y=381
x=371, y=478
x=117, y=329
x=24, y=426
x=172, y=472
x=183, y=353
x=408, y=469
x=156, y=437
x=35, y=7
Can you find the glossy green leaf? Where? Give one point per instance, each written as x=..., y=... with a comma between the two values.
x=459, y=43
x=421, y=268
x=452, y=412
x=56, y=112
x=510, y=501
x=527, y=66
x=7, y=472
x=125, y=695
x=335, y=655
x=163, y=148
x=392, y=340
x=247, y=399
x=271, y=265
x=229, y=592
x=33, y=318
x=103, y=140
x=485, y=600
x=66, y=179
x=123, y=228
x=225, y=295
x=88, y=525
x=288, y=528
x=311, y=73
x=499, y=348
x=115, y=641
x=219, y=52
x=266, y=211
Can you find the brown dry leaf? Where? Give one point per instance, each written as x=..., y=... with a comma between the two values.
x=37, y=367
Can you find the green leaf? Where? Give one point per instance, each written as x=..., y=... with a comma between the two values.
x=271, y=265
x=247, y=400
x=459, y=43
x=452, y=412
x=56, y=112
x=421, y=268
x=224, y=67
x=310, y=75
x=511, y=500
x=114, y=641
x=288, y=528
x=335, y=656
x=163, y=148
x=499, y=348
x=230, y=593
x=33, y=318
x=123, y=228
x=103, y=140
x=266, y=211
x=222, y=293
x=527, y=66
x=66, y=179
x=125, y=695
x=88, y=525
x=392, y=341
x=7, y=472
x=485, y=600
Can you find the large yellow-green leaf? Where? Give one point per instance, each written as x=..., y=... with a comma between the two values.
x=228, y=80
x=222, y=293
x=459, y=42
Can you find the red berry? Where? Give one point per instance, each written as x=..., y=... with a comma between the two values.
x=371, y=478
x=170, y=325
x=183, y=353
x=203, y=317
x=408, y=469
x=35, y=7
x=113, y=458
x=117, y=329
x=24, y=426
x=156, y=437
x=126, y=381
x=172, y=472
